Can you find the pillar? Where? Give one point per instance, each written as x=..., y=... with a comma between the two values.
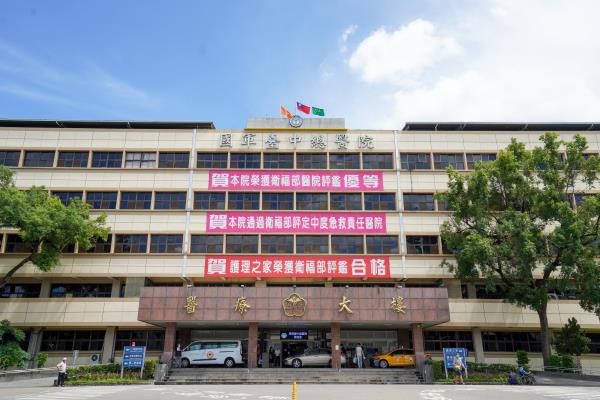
x=252, y=344
x=109, y=344
x=402, y=336
x=471, y=291
x=336, y=346
x=116, y=288
x=133, y=286
x=478, y=345
x=169, y=346
x=45, y=288
x=417, y=336
x=33, y=347
x=453, y=286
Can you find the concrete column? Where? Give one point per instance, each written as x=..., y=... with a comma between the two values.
x=336, y=345
x=471, y=291
x=45, y=289
x=33, y=348
x=252, y=344
x=453, y=286
x=403, y=338
x=417, y=335
x=109, y=344
x=133, y=286
x=116, y=289
x=478, y=345
x=167, y=355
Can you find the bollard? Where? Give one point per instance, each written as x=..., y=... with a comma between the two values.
x=294, y=391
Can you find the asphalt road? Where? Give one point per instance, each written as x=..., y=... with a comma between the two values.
x=38, y=390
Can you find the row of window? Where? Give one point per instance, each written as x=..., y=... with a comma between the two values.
x=241, y=160
x=68, y=341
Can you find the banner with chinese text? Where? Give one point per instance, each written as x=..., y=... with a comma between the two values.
x=366, y=181
x=298, y=266
x=292, y=222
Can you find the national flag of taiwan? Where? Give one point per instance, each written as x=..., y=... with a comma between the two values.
x=318, y=111
x=303, y=108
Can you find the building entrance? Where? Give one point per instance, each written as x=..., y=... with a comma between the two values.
x=277, y=346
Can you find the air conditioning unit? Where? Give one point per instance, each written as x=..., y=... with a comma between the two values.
x=95, y=359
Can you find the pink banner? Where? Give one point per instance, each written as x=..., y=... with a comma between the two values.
x=298, y=266
x=292, y=222
x=296, y=180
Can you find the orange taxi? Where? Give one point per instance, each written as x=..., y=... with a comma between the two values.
x=396, y=358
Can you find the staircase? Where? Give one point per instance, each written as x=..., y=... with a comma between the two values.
x=224, y=376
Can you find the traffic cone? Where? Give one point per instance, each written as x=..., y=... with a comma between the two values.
x=294, y=391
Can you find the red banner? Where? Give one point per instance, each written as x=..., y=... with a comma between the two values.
x=298, y=266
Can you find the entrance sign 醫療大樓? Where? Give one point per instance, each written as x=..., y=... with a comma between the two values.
x=342, y=181
x=297, y=266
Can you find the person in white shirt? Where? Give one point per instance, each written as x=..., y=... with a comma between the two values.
x=62, y=371
x=360, y=355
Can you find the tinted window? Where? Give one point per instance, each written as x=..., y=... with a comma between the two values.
x=81, y=290
x=422, y=244
x=140, y=160
x=131, y=243
x=169, y=200
x=344, y=161
x=101, y=246
x=276, y=244
x=107, y=159
x=39, y=159
x=207, y=244
x=243, y=201
x=14, y=244
x=378, y=161
x=173, y=160
x=311, y=201
x=415, y=161
x=346, y=201
x=347, y=245
x=20, y=290
x=135, y=200
x=418, y=202
x=153, y=340
x=312, y=244
x=454, y=160
x=212, y=160
x=382, y=245
x=473, y=158
x=73, y=159
x=245, y=160
x=102, y=200
x=10, y=158
x=278, y=201
x=72, y=340
x=380, y=201
x=65, y=197
x=278, y=160
x=242, y=244
x=166, y=243
x=209, y=200
x=311, y=161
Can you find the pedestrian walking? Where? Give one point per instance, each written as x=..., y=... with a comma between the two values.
x=62, y=371
x=360, y=356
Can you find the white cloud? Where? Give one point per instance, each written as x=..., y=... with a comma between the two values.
x=402, y=55
x=520, y=61
x=349, y=31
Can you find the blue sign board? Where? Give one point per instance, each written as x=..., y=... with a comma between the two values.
x=449, y=356
x=133, y=356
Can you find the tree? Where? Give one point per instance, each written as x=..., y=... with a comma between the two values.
x=11, y=353
x=45, y=225
x=515, y=225
x=571, y=340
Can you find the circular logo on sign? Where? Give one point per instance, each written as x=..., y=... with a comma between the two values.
x=210, y=355
x=284, y=335
x=296, y=121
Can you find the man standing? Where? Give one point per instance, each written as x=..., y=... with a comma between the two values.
x=359, y=356
x=62, y=371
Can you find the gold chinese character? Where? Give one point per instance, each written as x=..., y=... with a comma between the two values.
x=344, y=305
x=190, y=304
x=398, y=305
x=241, y=305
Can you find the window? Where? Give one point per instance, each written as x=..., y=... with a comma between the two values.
x=135, y=200
x=473, y=158
x=454, y=160
x=511, y=341
x=278, y=201
x=107, y=159
x=14, y=244
x=166, y=243
x=442, y=205
x=153, y=340
x=382, y=245
x=437, y=340
x=169, y=200
x=101, y=246
x=242, y=244
x=81, y=290
x=243, y=201
x=20, y=290
x=65, y=197
x=378, y=161
x=481, y=292
x=73, y=159
x=245, y=160
x=344, y=161
x=207, y=244
x=212, y=160
x=209, y=200
x=10, y=158
x=347, y=245
x=72, y=340
x=346, y=201
x=418, y=202
x=415, y=161
x=422, y=244
x=594, y=342
x=311, y=161
x=311, y=201
x=173, y=160
x=380, y=201
x=278, y=160
x=312, y=244
x=102, y=200
x=131, y=243
x=140, y=160
x=277, y=244
x=39, y=159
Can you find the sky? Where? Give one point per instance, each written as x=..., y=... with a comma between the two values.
x=376, y=63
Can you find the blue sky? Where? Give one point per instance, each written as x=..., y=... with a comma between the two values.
x=377, y=63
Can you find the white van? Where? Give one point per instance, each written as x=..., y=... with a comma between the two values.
x=214, y=352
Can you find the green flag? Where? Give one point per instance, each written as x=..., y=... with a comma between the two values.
x=318, y=111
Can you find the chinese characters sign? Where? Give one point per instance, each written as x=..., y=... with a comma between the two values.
x=296, y=180
x=288, y=222
x=298, y=266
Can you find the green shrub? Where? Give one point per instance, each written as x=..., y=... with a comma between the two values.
x=522, y=358
x=555, y=360
x=41, y=359
x=438, y=369
x=110, y=371
x=566, y=361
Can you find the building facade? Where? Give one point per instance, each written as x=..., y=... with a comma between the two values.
x=287, y=235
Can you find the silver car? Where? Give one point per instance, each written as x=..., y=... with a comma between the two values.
x=312, y=357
